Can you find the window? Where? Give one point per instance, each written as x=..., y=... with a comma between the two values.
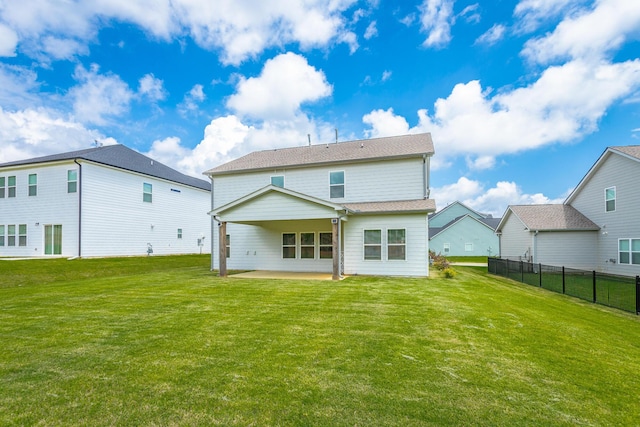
x=228, y=244
x=289, y=245
x=2, y=189
x=147, y=190
x=372, y=244
x=278, y=181
x=396, y=244
x=72, y=181
x=629, y=251
x=11, y=235
x=11, y=186
x=610, y=199
x=33, y=184
x=1, y=235
x=179, y=233
x=307, y=245
x=336, y=184
x=468, y=247
x=446, y=247
x=326, y=245
x=22, y=235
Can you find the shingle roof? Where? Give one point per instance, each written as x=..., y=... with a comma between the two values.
x=344, y=152
x=552, y=218
x=630, y=150
x=120, y=157
x=421, y=205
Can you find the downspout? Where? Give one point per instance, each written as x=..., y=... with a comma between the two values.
x=535, y=247
x=213, y=218
x=79, y=207
x=425, y=176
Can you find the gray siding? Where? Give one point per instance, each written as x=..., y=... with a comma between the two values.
x=515, y=241
x=624, y=174
x=574, y=249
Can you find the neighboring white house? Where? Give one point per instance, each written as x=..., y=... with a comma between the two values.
x=458, y=230
x=596, y=228
x=103, y=201
x=358, y=207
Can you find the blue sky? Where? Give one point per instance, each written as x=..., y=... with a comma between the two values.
x=521, y=97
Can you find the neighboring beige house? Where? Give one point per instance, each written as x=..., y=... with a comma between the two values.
x=596, y=228
x=357, y=207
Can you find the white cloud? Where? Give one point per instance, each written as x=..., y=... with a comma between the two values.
x=564, y=104
x=492, y=201
x=531, y=14
x=240, y=30
x=591, y=34
x=152, y=88
x=8, y=41
x=192, y=100
x=38, y=132
x=436, y=18
x=386, y=75
x=99, y=97
x=492, y=35
x=385, y=123
x=371, y=30
x=285, y=83
x=471, y=14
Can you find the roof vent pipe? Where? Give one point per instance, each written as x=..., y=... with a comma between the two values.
x=309, y=137
x=336, y=135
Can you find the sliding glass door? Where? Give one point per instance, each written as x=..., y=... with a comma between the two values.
x=53, y=239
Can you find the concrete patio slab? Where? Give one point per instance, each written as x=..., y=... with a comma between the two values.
x=297, y=275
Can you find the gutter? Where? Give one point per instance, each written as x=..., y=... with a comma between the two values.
x=79, y=207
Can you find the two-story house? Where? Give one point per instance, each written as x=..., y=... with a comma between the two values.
x=103, y=201
x=358, y=207
x=596, y=228
x=458, y=230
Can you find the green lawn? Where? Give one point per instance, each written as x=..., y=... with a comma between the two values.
x=162, y=341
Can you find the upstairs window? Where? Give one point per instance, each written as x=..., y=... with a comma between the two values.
x=11, y=186
x=147, y=190
x=33, y=184
x=278, y=181
x=289, y=245
x=2, y=187
x=336, y=184
x=610, y=199
x=72, y=181
x=372, y=244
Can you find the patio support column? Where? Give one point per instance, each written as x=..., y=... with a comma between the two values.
x=222, y=248
x=335, y=249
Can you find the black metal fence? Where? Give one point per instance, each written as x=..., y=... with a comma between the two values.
x=620, y=292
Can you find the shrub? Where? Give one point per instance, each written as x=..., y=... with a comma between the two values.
x=439, y=261
x=449, y=273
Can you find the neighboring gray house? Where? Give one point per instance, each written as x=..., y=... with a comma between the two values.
x=596, y=228
x=103, y=201
x=458, y=230
x=357, y=207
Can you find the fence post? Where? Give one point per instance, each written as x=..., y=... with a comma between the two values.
x=540, y=273
x=637, y=294
x=563, y=280
x=594, y=286
x=522, y=271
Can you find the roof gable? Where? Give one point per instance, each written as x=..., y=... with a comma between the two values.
x=121, y=157
x=434, y=231
x=549, y=218
x=631, y=152
x=396, y=147
x=452, y=211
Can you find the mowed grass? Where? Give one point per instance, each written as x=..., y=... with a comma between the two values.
x=163, y=341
